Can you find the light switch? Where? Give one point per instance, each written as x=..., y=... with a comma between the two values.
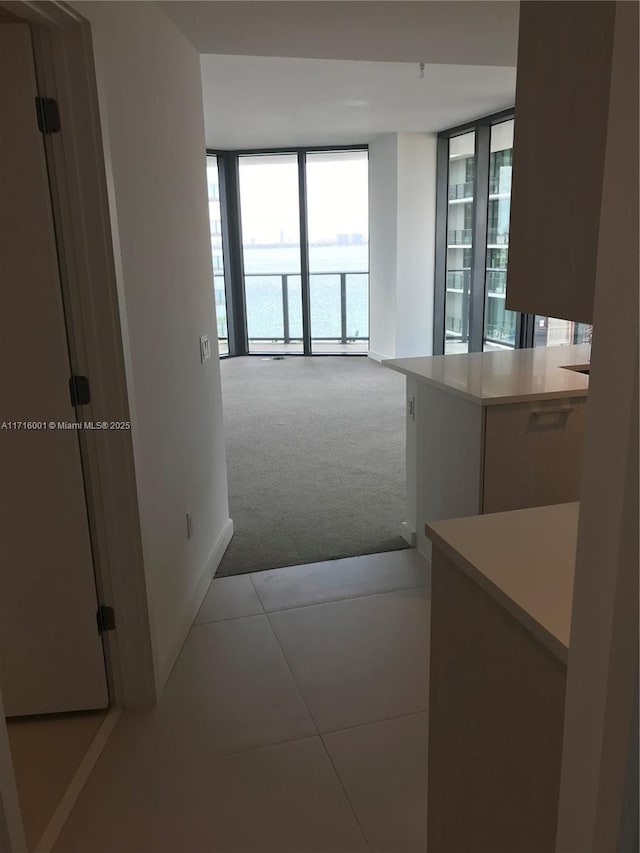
x=205, y=348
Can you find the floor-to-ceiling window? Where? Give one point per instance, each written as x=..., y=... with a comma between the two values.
x=472, y=251
x=215, y=227
x=500, y=324
x=474, y=192
x=337, y=231
x=460, y=206
x=269, y=209
x=295, y=226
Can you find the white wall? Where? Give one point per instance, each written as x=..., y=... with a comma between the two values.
x=416, y=243
x=383, y=218
x=151, y=111
x=402, y=193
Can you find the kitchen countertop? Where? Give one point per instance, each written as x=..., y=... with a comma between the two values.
x=524, y=560
x=492, y=378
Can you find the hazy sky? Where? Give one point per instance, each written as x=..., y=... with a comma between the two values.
x=337, y=193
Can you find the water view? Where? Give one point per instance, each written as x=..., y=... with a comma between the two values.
x=337, y=232
x=267, y=270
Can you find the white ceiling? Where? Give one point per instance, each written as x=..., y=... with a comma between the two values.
x=455, y=32
x=254, y=102
x=303, y=72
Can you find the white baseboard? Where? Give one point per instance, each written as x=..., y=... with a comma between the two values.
x=195, y=602
x=408, y=533
x=376, y=356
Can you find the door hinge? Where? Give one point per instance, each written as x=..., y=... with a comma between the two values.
x=79, y=390
x=106, y=619
x=48, y=115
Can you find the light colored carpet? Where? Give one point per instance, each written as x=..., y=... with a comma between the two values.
x=316, y=460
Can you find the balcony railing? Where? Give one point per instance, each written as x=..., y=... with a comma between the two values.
x=340, y=313
x=459, y=237
x=457, y=191
x=497, y=186
x=496, y=236
x=497, y=281
x=466, y=190
x=459, y=280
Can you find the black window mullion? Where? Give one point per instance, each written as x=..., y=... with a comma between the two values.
x=479, y=244
x=440, y=283
x=304, y=253
x=525, y=330
x=232, y=253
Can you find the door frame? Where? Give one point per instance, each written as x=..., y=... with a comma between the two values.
x=89, y=253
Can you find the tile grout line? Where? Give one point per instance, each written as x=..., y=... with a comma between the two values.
x=344, y=598
x=303, y=606
x=319, y=735
x=64, y=808
x=212, y=756
x=255, y=589
x=293, y=677
x=424, y=710
x=227, y=619
x=311, y=604
x=346, y=795
x=242, y=750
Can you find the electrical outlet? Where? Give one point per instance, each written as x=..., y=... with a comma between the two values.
x=411, y=408
x=189, y=524
x=205, y=348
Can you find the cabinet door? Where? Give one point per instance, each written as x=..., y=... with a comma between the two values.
x=533, y=454
x=562, y=100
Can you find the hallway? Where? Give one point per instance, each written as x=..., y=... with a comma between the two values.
x=294, y=722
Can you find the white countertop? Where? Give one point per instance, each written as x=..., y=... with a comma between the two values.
x=523, y=559
x=491, y=378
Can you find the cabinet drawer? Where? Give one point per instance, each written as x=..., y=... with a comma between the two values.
x=533, y=453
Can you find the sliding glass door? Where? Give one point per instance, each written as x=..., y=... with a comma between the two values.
x=296, y=231
x=269, y=205
x=337, y=230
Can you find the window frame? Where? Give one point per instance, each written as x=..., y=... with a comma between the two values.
x=481, y=127
x=229, y=180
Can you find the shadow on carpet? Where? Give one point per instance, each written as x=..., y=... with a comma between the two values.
x=315, y=459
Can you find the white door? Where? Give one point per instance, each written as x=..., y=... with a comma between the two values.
x=51, y=654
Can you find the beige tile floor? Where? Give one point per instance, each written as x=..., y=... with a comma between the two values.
x=46, y=752
x=294, y=722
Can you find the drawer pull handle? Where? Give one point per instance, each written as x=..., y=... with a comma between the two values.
x=559, y=410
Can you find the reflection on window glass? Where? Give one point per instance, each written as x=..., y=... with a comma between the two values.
x=499, y=323
x=215, y=227
x=461, y=192
x=551, y=332
x=338, y=231
x=271, y=251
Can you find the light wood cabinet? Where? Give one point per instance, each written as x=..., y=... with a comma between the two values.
x=562, y=106
x=471, y=459
x=501, y=604
x=495, y=725
x=532, y=453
